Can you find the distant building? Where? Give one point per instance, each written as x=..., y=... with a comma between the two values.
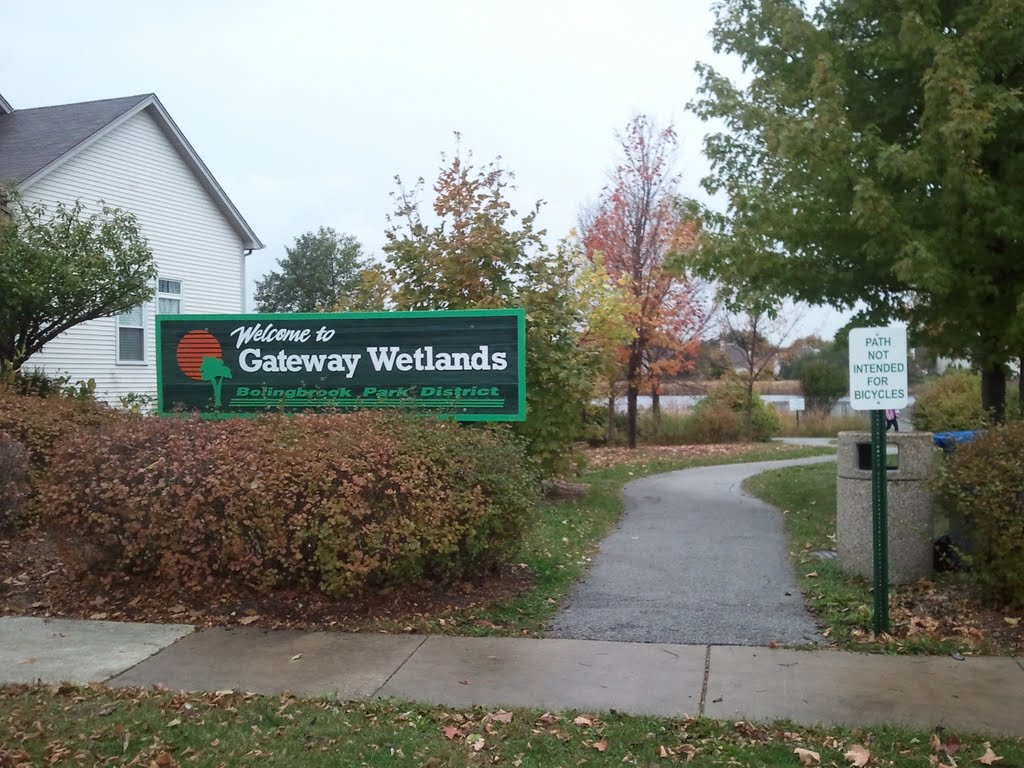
x=129, y=154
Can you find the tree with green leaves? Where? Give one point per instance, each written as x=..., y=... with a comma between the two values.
x=477, y=252
x=872, y=158
x=823, y=383
x=62, y=268
x=321, y=270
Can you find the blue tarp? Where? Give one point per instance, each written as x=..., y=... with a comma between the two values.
x=947, y=441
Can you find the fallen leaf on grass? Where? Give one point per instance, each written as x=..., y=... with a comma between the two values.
x=450, y=731
x=811, y=575
x=858, y=755
x=475, y=741
x=807, y=756
x=1012, y=621
x=745, y=729
x=246, y=620
x=989, y=757
x=601, y=745
x=584, y=722
x=687, y=749
x=952, y=745
x=501, y=716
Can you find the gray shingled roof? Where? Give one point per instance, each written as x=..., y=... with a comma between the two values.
x=31, y=139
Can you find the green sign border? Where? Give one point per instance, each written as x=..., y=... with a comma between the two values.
x=519, y=314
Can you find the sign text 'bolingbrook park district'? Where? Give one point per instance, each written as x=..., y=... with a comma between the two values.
x=467, y=364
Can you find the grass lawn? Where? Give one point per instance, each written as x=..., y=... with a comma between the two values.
x=934, y=617
x=94, y=726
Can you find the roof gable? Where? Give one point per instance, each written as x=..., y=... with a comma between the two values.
x=33, y=142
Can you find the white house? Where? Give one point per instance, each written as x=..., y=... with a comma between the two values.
x=129, y=154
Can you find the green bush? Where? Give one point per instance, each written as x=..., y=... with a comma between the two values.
x=823, y=382
x=338, y=503
x=982, y=482
x=716, y=423
x=37, y=383
x=730, y=394
x=950, y=402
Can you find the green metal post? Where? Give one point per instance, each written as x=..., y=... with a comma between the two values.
x=880, y=520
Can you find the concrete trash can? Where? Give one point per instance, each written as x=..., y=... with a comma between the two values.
x=911, y=520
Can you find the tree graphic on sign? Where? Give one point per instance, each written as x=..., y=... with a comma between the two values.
x=201, y=358
x=215, y=371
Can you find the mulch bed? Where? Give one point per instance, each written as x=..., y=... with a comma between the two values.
x=35, y=582
x=952, y=611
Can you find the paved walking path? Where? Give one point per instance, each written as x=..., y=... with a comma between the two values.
x=694, y=560
x=726, y=682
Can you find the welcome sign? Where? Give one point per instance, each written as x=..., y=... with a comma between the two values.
x=468, y=364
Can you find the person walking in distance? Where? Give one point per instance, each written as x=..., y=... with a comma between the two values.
x=892, y=420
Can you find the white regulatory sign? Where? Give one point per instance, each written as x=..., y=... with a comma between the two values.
x=878, y=368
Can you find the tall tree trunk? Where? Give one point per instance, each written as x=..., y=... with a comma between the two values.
x=993, y=391
x=656, y=403
x=631, y=392
x=610, y=428
x=1020, y=386
x=750, y=406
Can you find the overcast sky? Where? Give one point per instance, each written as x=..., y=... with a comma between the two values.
x=305, y=111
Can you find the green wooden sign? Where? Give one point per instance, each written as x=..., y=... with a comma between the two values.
x=467, y=364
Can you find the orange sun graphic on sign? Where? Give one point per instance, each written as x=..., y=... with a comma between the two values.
x=193, y=347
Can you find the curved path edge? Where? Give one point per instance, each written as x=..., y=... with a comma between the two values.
x=695, y=560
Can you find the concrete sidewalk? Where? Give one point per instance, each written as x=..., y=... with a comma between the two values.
x=727, y=682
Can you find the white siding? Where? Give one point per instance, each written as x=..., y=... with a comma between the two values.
x=134, y=167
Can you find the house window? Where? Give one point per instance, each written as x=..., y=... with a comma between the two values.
x=131, y=337
x=168, y=297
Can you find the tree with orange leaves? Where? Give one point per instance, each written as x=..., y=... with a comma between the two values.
x=637, y=223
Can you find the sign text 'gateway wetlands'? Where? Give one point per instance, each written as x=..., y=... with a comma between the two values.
x=470, y=364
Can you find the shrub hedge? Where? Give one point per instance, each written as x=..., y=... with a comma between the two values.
x=339, y=503
x=711, y=417
x=40, y=423
x=983, y=483
x=950, y=402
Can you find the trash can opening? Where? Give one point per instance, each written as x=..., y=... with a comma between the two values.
x=892, y=463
